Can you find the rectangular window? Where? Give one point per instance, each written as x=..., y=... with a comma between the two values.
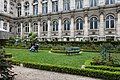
x=93, y=3
x=79, y=4
x=44, y=8
x=55, y=6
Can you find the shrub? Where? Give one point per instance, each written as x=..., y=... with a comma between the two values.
x=77, y=71
x=106, y=68
x=5, y=66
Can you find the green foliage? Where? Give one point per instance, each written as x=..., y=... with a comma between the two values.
x=106, y=68
x=107, y=75
x=11, y=41
x=5, y=66
x=113, y=60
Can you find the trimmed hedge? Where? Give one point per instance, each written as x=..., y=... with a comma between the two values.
x=107, y=68
x=76, y=71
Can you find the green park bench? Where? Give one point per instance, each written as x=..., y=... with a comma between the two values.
x=72, y=50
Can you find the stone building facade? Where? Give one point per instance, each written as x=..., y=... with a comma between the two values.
x=62, y=20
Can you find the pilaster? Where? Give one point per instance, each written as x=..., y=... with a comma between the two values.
x=21, y=34
x=118, y=23
x=60, y=27
x=39, y=30
x=49, y=27
x=72, y=27
x=49, y=6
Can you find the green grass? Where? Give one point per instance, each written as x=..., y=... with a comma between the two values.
x=44, y=57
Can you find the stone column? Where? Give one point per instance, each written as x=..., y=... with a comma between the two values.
x=118, y=25
x=22, y=8
x=60, y=29
x=60, y=6
x=49, y=6
x=8, y=26
x=72, y=28
x=39, y=7
x=30, y=30
x=86, y=27
x=101, y=27
x=49, y=29
x=31, y=7
x=39, y=31
x=21, y=34
x=72, y=4
x=8, y=6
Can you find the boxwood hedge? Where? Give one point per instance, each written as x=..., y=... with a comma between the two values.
x=108, y=75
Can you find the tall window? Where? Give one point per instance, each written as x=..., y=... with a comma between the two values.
x=26, y=6
x=79, y=24
x=5, y=5
x=93, y=3
x=19, y=10
x=107, y=2
x=66, y=25
x=35, y=7
x=110, y=21
x=35, y=27
x=44, y=8
x=18, y=28
x=26, y=28
x=79, y=4
x=55, y=6
x=93, y=23
x=55, y=26
x=45, y=26
x=66, y=5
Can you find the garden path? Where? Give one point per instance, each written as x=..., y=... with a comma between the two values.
x=34, y=74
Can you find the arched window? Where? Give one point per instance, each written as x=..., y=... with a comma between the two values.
x=79, y=4
x=107, y=2
x=55, y=26
x=66, y=5
x=55, y=6
x=110, y=21
x=79, y=24
x=35, y=27
x=35, y=7
x=44, y=7
x=66, y=25
x=45, y=26
x=93, y=23
x=26, y=28
x=93, y=3
x=5, y=5
x=26, y=6
x=19, y=9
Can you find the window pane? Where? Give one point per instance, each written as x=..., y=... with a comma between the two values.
x=95, y=25
x=91, y=24
x=107, y=24
x=112, y=24
x=81, y=25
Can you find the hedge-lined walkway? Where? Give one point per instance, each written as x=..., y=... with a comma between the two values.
x=34, y=74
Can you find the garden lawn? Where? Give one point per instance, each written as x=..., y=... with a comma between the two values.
x=44, y=57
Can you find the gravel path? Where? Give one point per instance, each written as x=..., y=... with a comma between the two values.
x=34, y=74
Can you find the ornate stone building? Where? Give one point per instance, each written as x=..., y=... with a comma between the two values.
x=62, y=20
